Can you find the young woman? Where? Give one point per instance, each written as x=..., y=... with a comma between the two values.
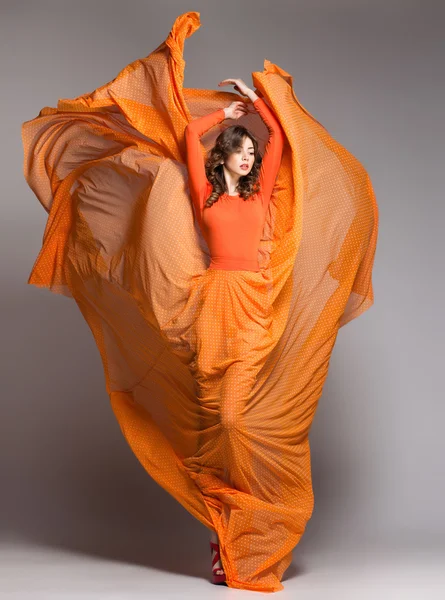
x=231, y=192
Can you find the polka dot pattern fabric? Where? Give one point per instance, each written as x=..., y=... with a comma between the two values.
x=213, y=375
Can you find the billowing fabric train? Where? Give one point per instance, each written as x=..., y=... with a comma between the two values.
x=122, y=239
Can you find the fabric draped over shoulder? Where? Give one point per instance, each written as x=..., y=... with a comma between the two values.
x=122, y=240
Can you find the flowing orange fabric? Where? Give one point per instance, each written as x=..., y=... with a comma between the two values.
x=213, y=375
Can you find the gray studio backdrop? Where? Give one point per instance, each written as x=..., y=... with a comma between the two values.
x=372, y=74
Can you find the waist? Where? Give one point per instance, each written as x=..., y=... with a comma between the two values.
x=233, y=264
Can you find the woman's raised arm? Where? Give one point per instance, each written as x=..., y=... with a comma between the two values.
x=195, y=159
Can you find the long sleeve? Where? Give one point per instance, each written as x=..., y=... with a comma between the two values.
x=195, y=160
x=273, y=151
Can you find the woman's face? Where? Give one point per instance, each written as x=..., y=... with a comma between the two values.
x=241, y=161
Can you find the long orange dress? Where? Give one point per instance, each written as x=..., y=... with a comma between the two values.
x=214, y=375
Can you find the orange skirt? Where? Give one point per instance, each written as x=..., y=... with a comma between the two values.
x=230, y=335
x=241, y=462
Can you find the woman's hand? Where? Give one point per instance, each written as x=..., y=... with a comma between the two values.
x=239, y=84
x=236, y=110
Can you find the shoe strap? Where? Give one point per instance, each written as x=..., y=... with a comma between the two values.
x=216, y=558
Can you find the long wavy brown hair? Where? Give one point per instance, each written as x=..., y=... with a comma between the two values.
x=228, y=141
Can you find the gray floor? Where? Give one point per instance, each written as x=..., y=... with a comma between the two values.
x=42, y=573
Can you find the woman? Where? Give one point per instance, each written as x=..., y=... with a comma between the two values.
x=231, y=194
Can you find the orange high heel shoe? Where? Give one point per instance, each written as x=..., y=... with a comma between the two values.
x=218, y=579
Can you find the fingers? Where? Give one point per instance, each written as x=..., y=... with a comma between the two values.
x=238, y=105
x=241, y=111
x=232, y=81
